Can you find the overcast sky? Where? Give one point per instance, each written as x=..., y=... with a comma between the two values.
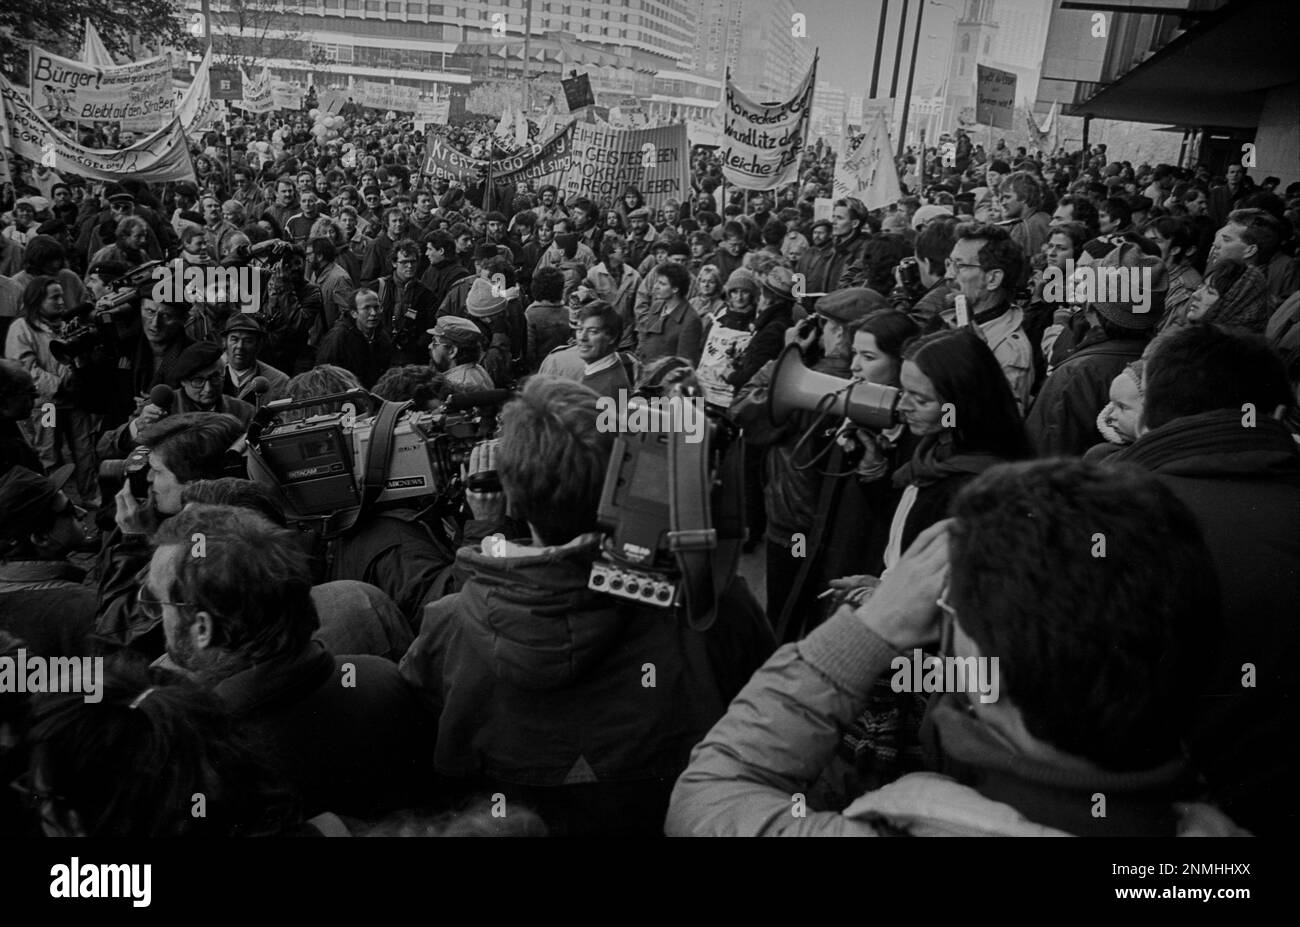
x=845, y=30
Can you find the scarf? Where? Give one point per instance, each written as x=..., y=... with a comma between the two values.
x=1216, y=442
x=936, y=459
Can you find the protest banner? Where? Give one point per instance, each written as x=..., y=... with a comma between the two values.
x=431, y=113
x=995, y=97
x=159, y=157
x=823, y=208
x=867, y=170
x=139, y=95
x=257, y=93
x=577, y=92
x=196, y=109
x=543, y=163
x=762, y=141
x=376, y=95
x=606, y=162
x=287, y=94
x=227, y=83
x=330, y=102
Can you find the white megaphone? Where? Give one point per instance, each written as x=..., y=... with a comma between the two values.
x=796, y=388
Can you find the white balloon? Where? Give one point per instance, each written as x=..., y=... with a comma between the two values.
x=314, y=113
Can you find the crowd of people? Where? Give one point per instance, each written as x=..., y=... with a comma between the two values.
x=1101, y=494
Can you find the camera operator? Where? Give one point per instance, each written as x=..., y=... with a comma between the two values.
x=538, y=681
x=182, y=448
x=244, y=338
x=290, y=308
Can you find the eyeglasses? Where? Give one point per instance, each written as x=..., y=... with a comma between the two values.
x=950, y=263
x=213, y=380
x=151, y=606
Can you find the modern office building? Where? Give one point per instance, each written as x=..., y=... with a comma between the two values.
x=1222, y=71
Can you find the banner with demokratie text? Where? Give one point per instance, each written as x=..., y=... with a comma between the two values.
x=606, y=162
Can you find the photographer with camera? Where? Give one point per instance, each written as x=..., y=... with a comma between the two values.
x=171, y=453
x=539, y=682
x=290, y=307
x=922, y=282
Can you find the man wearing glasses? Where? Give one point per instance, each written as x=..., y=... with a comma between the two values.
x=407, y=304
x=201, y=375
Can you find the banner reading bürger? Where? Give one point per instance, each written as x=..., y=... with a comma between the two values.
x=160, y=157
x=138, y=95
x=606, y=161
x=762, y=141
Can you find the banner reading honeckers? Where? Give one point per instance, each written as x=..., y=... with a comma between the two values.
x=159, y=157
x=606, y=162
x=138, y=95
x=543, y=164
x=762, y=141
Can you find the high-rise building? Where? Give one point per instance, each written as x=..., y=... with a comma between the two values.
x=755, y=41
x=430, y=45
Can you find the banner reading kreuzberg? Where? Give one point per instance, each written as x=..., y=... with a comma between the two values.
x=762, y=141
x=867, y=171
x=543, y=164
x=138, y=95
x=159, y=157
x=995, y=97
x=606, y=162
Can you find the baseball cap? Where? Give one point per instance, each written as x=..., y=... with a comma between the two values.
x=456, y=330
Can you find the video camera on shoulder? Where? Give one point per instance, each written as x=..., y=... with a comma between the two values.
x=671, y=511
x=80, y=338
x=328, y=467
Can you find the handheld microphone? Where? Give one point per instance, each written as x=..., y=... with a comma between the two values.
x=258, y=387
x=163, y=396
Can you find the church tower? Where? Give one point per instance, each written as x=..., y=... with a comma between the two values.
x=973, y=43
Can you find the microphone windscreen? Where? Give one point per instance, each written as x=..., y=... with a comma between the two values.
x=259, y=385
x=163, y=396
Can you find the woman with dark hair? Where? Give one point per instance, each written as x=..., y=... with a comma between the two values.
x=139, y=761
x=958, y=408
x=672, y=326
x=1233, y=294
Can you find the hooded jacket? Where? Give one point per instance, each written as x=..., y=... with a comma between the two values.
x=542, y=684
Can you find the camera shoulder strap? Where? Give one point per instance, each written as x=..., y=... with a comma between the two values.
x=378, y=454
x=705, y=555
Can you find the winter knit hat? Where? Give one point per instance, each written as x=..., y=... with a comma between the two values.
x=483, y=301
